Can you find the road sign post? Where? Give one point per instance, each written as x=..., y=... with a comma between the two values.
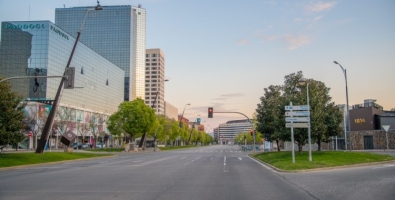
x=386, y=128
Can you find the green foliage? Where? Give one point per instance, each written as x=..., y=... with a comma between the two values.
x=283, y=160
x=324, y=115
x=11, y=115
x=132, y=118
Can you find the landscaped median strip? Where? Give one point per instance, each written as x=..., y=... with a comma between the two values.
x=18, y=160
x=282, y=161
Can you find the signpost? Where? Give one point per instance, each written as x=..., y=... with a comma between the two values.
x=386, y=128
x=297, y=114
x=297, y=125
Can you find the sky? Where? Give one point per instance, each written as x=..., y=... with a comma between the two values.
x=223, y=53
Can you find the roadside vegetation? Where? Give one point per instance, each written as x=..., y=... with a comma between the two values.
x=18, y=159
x=321, y=159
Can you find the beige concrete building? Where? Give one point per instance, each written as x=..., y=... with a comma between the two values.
x=171, y=111
x=155, y=80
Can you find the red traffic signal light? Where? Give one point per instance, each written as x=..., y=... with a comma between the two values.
x=210, y=112
x=252, y=132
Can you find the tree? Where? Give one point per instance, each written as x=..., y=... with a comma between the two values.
x=11, y=115
x=324, y=115
x=133, y=118
x=392, y=109
x=270, y=115
x=96, y=125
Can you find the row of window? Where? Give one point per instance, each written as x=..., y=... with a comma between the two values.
x=151, y=76
x=152, y=68
x=147, y=81
x=153, y=72
x=152, y=89
x=152, y=55
x=152, y=85
x=152, y=64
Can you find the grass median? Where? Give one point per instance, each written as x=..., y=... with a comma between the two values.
x=19, y=159
x=321, y=159
x=106, y=150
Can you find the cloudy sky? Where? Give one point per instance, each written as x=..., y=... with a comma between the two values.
x=223, y=53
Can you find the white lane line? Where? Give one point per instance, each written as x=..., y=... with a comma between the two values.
x=183, y=158
x=137, y=160
x=224, y=160
x=186, y=163
x=153, y=161
x=225, y=170
x=198, y=157
x=240, y=158
x=384, y=166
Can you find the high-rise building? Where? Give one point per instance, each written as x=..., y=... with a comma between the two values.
x=228, y=131
x=155, y=80
x=40, y=48
x=171, y=111
x=118, y=34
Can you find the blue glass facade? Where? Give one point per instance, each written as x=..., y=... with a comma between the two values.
x=41, y=48
x=118, y=34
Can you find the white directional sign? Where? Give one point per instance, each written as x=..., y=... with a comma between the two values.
x=298, y=113
x=386, y=127
x=297, y=119
x=301, y=107
x=297, y=125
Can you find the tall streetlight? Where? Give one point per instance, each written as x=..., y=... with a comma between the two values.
x=347, y=113
x=182, y=116
x=51, y=116
x=302, y=82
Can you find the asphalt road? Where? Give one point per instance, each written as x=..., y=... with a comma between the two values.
x=213, y=172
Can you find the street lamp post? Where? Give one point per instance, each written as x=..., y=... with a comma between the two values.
x=302, y=82
x=182, y=116
x=347, y=113
x=51, y=116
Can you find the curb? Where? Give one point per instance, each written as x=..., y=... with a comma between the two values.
x=51, y=163
x=323, y=168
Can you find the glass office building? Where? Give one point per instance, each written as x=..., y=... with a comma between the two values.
x=118, y=34
x=40, y=48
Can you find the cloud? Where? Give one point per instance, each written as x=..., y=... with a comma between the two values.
x=321, y=6
x=232, y=95
x=297, y=19
x=296, y=41
x=318, y=18
x=219, y=99
x=243, y=42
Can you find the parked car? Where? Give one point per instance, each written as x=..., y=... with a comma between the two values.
x=86, y=146
x=76, y=145
x=100, y=145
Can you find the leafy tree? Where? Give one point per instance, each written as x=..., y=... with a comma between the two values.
x=11, y=115
x=133, y=118
x=270, y=115
x=392, y=109
x=324, y=115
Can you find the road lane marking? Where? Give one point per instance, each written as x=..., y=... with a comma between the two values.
x=240, y=158
x=225, y=170
x=153, y=161
x=186, y=163
x=183, y=158
x=138, y=160
x=224, y=160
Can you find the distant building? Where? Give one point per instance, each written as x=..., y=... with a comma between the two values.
x=155, y=79
x=216, y=134
x=370, y=116
x=227, y=132
x=171, y=111
x=184, y=120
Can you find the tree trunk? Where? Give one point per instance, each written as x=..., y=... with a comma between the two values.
x=319, y=145
x=300, y=146
x=278, y=147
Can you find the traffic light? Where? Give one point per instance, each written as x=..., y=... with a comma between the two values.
x=69, y=82
x=210, y=112
x=252, y=132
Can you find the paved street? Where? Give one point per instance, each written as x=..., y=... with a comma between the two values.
x=213, y=172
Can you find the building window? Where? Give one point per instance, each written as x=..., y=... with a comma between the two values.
x=146, y=60
x=153, y=85
x=153, y=72
x=153, y=68
x=147, y=102
x=154, y=81
x=147, y=68
x=153, y=55
x=107, y=82
x=146, y=89
x=153, y=77
x=153, y=89
x=147, y=55
x=153, y=60
x=147, y=93
x=82, y=70
x=154, y=64
x=147, y=64
x=147, y=81
x=146, y=76
x=146, y=85
x=147, y=72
